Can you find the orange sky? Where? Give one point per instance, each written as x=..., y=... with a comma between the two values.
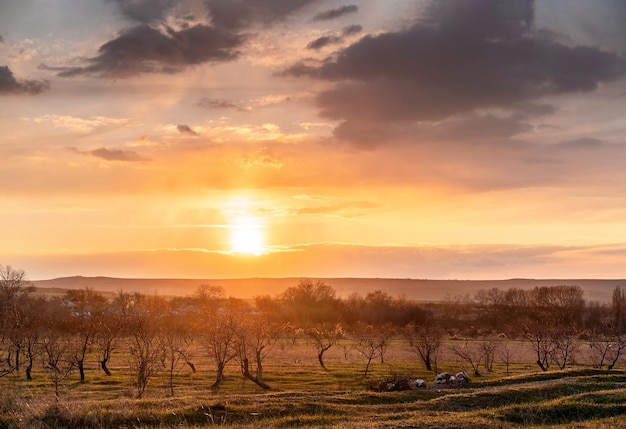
x=220, y=138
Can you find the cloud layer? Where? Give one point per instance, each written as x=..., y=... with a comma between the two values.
x=462, y=62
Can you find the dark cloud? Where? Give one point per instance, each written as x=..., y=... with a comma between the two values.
x=145, y=11
x=217, y=104
x=1, y=40
x=582, y=143
x=152, y=47
x=323, y=41
x=143, y=49
x=112, y=154
x=335, y=13
x=351, y=30
x=460, y=62
x=238, y=14
x=10, y=85
x=186, y=129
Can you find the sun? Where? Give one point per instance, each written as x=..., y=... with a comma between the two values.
x=247, y=237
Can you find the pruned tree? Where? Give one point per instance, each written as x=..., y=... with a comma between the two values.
x=475, y=352
x=539, y=337
x=84, y=323
x=425, y=341
x=324, y=336
x=14, y=295
x=218, y=338
x=141, y=316
x=57, y=346
x=608, y=345
x=256, y=338
x=177, y=346
x=109, y=330
x=506, y=355
x=368, y=343
x=564, y=344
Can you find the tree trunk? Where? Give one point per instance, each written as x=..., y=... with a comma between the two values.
x=245, y=370
x=427, y=363
x=81, y=370
x=367, y=367
x=259, y=365
x=17, y=359
x=320, y=358
x=219, y=376
x=103, y=365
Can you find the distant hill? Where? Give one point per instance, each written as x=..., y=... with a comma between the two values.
x=413, y=289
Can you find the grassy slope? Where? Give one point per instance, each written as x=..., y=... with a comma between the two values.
x=584, y=397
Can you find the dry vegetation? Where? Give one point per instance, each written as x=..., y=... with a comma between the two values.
x=305, y=358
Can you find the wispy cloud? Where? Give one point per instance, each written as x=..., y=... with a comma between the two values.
x=335, y=13
x=112, y=154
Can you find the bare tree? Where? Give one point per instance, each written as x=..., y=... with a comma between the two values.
x=476, y=352
x=505, y=354
x=83, y=324
x=218, y=337
x=607, y=345
x=324, y=336
x=425, y=341
x=110, y=328
x=56, y=346
x=177, y=344
x=564, y=346
x=539, y=337
x=141, y=316
x=14, y=291
x=256, y=338
x=368, y=343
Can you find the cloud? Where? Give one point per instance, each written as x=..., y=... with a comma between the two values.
x=465, y=62
x=582, y=143
x=261, y=159
x=1, y=40
x=157, y=45
x=323, y=41
x=145, y=10
x=214, y=103
x=144, y=49
x=10, y=85
x=185, y=129
x=80, y=125
x=335, y=13
x=238, y=14
x=112, y=154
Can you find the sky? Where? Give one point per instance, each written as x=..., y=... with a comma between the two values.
x=440, y=139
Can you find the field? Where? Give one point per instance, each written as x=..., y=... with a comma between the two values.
x=304, y=395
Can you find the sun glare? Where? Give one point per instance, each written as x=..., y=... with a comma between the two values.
x=246, y=237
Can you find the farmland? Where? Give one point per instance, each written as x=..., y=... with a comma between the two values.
x=304, y=395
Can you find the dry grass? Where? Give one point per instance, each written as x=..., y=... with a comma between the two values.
x=304, y=395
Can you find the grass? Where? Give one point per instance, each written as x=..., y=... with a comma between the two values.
x=304, y=395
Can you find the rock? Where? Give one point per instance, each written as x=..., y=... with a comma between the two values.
x=442, y=378
x=462, y=378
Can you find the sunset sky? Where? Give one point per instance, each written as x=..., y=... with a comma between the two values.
x=475, y=139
